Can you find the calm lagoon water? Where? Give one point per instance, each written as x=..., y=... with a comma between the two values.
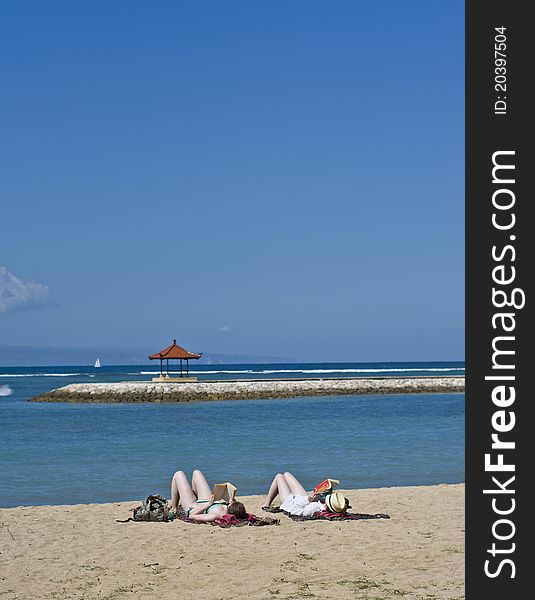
x=79, y=453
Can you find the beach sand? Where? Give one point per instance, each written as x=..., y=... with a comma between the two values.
x=82, y=552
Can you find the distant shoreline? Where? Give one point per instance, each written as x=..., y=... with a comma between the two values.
x=202, y=391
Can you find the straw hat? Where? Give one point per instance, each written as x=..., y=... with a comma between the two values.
x=336, y=502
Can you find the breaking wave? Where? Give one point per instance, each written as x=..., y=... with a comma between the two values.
x=40, y=374
x=314, y=371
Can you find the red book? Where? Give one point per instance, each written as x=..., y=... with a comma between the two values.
x=325, y=486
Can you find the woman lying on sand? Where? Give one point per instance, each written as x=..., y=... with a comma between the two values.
x=295, y=500
x=197, y=499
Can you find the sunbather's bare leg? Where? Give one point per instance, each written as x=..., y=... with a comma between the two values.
x=181, y=492
x=200, y=486
x=294, y=485
x=278, y=486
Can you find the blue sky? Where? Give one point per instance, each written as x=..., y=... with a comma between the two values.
x=279, y=178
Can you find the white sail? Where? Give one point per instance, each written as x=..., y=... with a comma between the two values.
x=97, y=363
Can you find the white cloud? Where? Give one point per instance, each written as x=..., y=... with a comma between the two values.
x=18, y=294
x=224, y=328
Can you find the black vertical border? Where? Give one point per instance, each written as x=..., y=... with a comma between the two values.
x=487, y=133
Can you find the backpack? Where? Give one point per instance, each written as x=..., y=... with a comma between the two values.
x=154, y=509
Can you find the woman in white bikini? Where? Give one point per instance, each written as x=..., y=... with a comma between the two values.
x=197, y=499
x=295, y=500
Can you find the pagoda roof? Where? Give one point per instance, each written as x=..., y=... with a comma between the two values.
x=174, y=351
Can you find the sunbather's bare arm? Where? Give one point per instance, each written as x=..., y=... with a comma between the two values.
x=202, y=507
x=205, y=518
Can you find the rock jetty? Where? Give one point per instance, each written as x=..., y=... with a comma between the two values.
x=202, y=391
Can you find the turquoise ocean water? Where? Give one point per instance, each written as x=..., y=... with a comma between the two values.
x=79, y=453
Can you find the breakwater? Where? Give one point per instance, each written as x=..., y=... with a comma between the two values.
x=201, y=391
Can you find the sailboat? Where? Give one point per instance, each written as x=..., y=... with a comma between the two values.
x=97, y=363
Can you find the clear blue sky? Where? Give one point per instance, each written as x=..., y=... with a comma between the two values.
x=279, y=178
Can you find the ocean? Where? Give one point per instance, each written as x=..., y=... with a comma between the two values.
x=83, y=453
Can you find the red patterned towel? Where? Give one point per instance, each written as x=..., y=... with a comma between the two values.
x=228, y=520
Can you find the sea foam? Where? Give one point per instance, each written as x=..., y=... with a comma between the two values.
x=40, y=374
x=314, y=371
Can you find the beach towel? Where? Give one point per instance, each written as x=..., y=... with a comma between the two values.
x=228, y=520
x=328, y=516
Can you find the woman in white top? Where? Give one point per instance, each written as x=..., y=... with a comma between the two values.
x=294, y=499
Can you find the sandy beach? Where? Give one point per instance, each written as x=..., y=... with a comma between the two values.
x=81, y=552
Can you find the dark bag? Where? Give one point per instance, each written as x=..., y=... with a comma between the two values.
x=154, y=509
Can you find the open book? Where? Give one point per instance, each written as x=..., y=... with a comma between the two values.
x=224, y=491
x=325, y=486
